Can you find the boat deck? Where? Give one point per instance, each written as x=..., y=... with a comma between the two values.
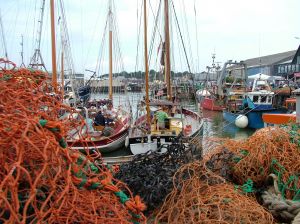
x=177, y=125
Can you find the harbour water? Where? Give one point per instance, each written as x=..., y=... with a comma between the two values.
x=214, y=125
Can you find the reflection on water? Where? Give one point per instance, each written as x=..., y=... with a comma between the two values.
x=214, y=125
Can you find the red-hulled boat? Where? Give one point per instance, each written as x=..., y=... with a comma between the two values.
x=210, y=104
x=207, y=101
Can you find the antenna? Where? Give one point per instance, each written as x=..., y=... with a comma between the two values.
x=22, y=53
x=37, y=59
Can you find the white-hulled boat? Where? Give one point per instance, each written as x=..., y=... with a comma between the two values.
x=143, y=137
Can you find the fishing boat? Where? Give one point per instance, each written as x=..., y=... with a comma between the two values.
x=146, y=133
x=107, y=139
x=207, y=97
x=209, y=101
x=247, y=109
x=214, y=95
x=279, y=119
x=143, y=137
x=111, y=134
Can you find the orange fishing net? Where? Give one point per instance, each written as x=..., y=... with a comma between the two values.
x=200, y=196
x=269, y=150
x=41, y=179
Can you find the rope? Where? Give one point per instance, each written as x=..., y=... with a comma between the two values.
x=296, y=219
x=278, y=206
x=284, y=209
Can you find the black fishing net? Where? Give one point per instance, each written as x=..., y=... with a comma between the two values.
x=150, y=174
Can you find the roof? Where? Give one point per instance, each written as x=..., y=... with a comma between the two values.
x=297, y=54
x=270, y=59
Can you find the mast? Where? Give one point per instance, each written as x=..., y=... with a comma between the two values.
x=146, y=64
x=62, y=73
x=110, y=52
x=37, y=60
x=3, y=37
x=54, y=74
x=22, y=52
x=167, y=45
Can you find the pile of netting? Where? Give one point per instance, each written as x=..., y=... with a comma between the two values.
x=268, y=164
x=249, y=181
x=150, y=174
x=269, y=151
x=200, y=196
x=41, y=179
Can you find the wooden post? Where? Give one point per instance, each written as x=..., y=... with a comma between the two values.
x=167, y=43
x=54, y=73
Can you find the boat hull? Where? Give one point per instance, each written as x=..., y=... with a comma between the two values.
x=278, y=119
x=109, y=144
x=255, y=120
x=230, y=117
x=104, y=144
x=143, y=144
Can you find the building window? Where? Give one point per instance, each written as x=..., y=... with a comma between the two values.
x=298, y=60
x=279, y=69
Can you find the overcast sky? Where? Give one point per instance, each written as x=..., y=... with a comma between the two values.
x=232, y=29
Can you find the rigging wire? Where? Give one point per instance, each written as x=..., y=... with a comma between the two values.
x=181, y=37
x=155, y=29
x=66, y=47
x=13, y=26
x=196, y=28
x=34, y=33
x=172, y=49
x=93, y=37
x=117, y=38
x=102, y=46
x=187, y=36
x=139, y=24
x=26, y=28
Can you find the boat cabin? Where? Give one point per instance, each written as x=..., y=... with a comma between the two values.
x=261, y=95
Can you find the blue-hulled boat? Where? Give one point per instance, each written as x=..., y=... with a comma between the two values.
x=251, y=105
